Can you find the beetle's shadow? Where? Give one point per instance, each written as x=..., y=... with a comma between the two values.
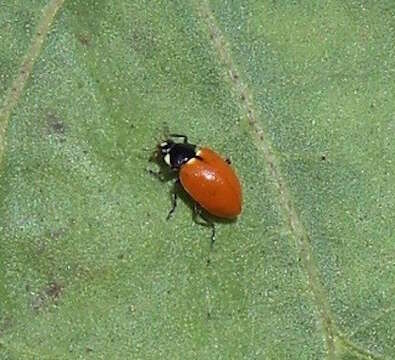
x=165, y=175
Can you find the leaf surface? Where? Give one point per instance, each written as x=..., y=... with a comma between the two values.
x=298, y=95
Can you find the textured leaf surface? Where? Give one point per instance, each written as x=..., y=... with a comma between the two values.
x=299, y=96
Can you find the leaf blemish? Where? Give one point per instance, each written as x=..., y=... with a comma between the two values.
x=55, y=126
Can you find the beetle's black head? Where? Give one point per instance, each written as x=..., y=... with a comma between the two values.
x=176, y=154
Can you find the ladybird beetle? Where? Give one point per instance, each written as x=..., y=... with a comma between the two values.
x=206, y=177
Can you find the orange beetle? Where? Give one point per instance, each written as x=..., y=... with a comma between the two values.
x=205, y=176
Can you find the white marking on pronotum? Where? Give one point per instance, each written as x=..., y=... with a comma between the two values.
x=167, y=159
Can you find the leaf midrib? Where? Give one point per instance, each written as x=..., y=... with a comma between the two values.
x=242, y=91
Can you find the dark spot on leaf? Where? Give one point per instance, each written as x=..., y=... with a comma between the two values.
x=54, y=290
x=58, y=127
x=323, y=157
x=84, y=38
x=55, y=126
x=48, y=295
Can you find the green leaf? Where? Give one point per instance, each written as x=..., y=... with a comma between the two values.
x=298, y=94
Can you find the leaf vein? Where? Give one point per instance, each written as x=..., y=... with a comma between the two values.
x=286, y=204
x=25, y=70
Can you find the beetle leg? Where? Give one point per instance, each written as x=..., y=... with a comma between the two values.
x=158, y=174
x=228, y=161
x=174, y=200
x=184, y=137
x=197, y=212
